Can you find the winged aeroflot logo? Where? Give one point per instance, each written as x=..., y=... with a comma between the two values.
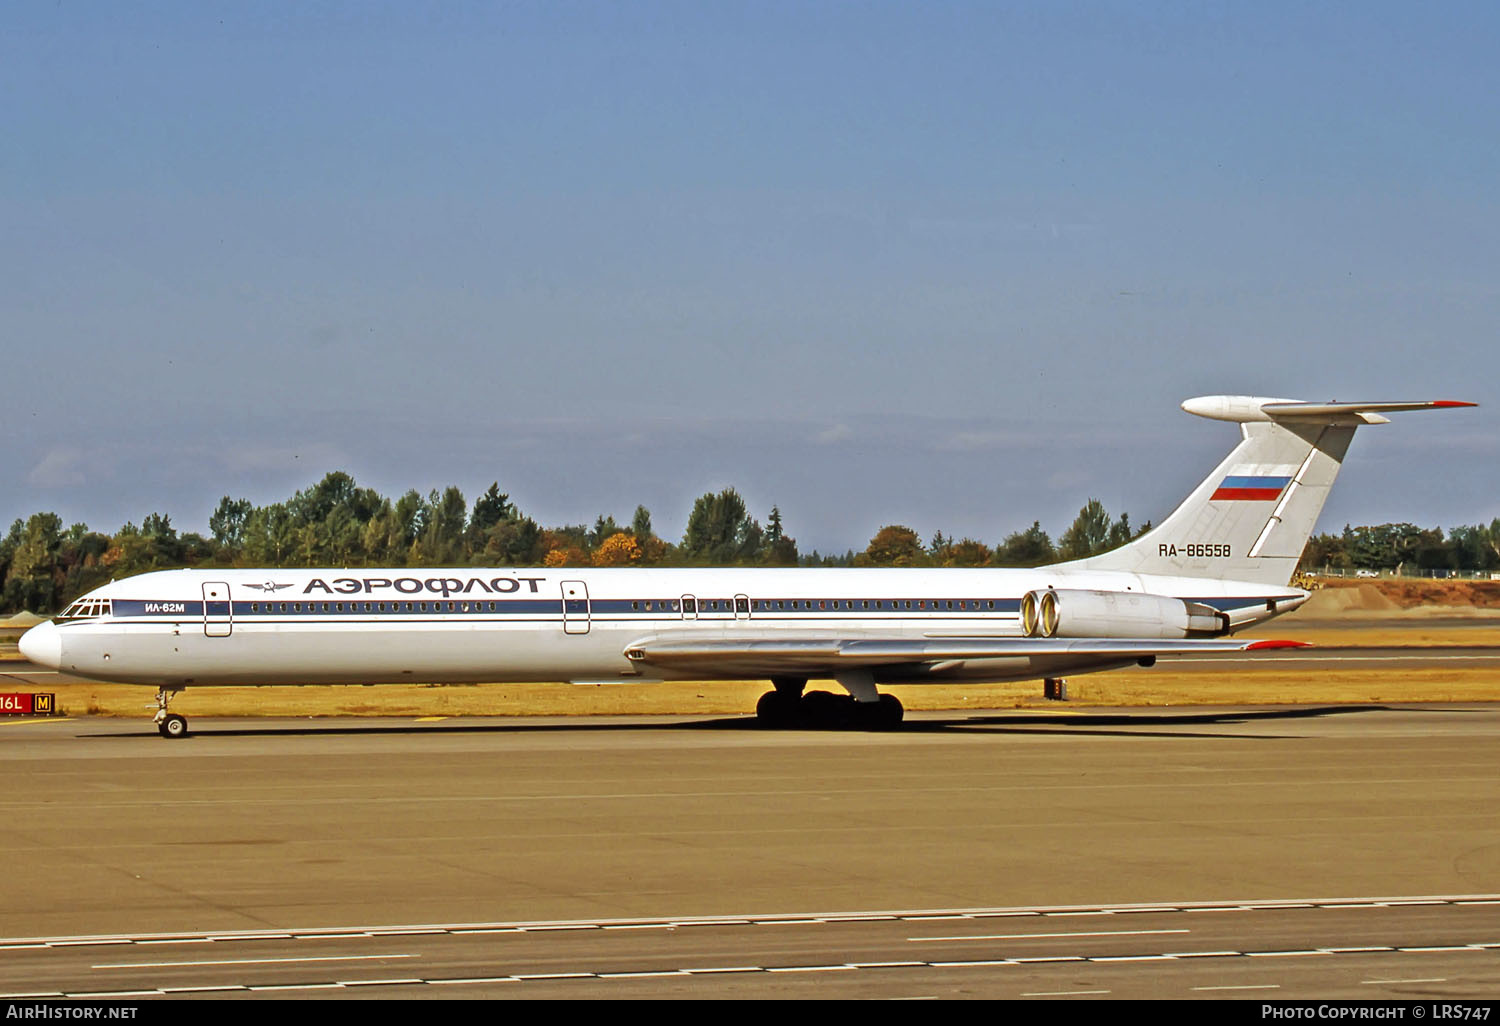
x=268, y=586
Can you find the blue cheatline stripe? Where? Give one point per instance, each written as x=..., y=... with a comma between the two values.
x=712, y=609
x=650, y=608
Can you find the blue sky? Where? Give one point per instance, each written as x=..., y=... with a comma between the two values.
x=949, y=265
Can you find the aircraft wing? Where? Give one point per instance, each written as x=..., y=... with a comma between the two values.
x=769, y=655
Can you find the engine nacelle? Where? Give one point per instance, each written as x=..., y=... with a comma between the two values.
x=1067, y=613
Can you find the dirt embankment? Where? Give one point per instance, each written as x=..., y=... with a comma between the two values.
x=1395, y=596
x=1409, y=594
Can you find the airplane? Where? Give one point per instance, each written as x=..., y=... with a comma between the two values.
x=1221, y=562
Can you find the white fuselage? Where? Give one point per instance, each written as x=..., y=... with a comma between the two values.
x=370, y=626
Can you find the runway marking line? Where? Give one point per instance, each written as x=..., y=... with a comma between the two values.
x=1060, y=993
x=553, y=976
x=1034, y=936
x=1287, y=954
x=200, y=990
x=1430, y=979
x=1204, y=954
x=195, y=940
x=412, y=932
x=248, y=961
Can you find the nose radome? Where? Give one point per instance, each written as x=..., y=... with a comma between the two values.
x=42, y=645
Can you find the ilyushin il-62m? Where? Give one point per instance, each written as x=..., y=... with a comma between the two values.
x=1222, y=561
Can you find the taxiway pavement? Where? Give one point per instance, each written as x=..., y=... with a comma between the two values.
x=284, y=826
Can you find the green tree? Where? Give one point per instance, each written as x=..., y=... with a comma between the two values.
x=513, y=542
x=720, y=532
x=1089, y=533
x=640, y=524
x=441, y=543
x=1031, y=547
x=780, y=550
x=269, y=536
x=604, y=527
x=489, y=509
x=32, y=580
x=411, y=518
x=227, y=524
x=1325, y=550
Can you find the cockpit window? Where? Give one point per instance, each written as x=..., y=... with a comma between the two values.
x=84, y=609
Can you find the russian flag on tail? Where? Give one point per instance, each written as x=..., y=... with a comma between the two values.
x=1256, y=488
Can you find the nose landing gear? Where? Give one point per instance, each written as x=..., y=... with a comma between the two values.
x=169, y=724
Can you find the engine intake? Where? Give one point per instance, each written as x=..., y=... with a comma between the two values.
x=1072, y=613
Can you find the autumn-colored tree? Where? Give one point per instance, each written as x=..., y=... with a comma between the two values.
x=619, y=549
x=967, y=552
x=894, y=545
x=569, y=555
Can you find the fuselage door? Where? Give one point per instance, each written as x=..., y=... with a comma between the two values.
x=218, y=617
x=575, y=597
x=689, y=607
x=742, y=607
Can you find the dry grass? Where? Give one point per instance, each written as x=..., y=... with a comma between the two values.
x=1155, y=687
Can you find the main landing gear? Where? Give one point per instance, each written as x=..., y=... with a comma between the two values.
x=169, y=724
x=862, y=709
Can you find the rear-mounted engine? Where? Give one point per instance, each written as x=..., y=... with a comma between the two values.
x=1064, y=613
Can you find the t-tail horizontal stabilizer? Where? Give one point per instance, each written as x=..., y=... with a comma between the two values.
x=1250, y=519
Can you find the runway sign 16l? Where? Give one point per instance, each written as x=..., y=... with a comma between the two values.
x=26, y=705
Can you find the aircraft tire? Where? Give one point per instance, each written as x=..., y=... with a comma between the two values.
x=173, y=726
x=776, y=710
x=890, y=712
x=823, y=709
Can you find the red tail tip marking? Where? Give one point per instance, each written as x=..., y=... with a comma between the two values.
x=1278, y=644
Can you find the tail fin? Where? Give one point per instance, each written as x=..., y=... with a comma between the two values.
x=1250, y=519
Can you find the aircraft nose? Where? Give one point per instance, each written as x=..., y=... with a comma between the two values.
x=43, y=645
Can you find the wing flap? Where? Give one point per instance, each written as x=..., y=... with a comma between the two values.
x=834, y=654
